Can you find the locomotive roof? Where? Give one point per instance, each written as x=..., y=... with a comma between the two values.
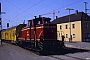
x=38, y=18
x=81, y=16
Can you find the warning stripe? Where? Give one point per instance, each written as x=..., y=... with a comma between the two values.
x=39, y=27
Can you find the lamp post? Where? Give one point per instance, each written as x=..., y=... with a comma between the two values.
x=70, y=39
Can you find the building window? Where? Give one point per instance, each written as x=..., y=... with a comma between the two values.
x=87, y=35
x=59, y=34
x=66, y=26
x=39, y=22
x=74, y=35
x=60, y=27
x=66, y=35
x=73, y=25
x=85, y=25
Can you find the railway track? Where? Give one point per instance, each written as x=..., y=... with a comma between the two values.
x=78, y=47
x=64, y=55
x=58, y=57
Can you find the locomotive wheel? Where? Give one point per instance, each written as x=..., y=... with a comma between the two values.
x=43, y=53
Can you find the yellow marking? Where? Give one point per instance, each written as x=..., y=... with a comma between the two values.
x=40, y=34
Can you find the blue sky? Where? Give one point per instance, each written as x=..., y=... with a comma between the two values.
x=19, y=10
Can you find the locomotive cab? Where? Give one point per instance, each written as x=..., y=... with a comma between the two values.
x=37, y=21
x=43, y=28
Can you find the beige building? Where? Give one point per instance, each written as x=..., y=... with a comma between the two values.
x=78, y=27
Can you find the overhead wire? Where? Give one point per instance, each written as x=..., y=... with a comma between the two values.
x=70, y=4
x=34, y=5
x=62, y=6
x=46, y=5
x=26, y=4
x=28, y=8
x=50, y=11
x=67, y=5
x=17, y=7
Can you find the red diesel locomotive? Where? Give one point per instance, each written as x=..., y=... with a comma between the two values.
x=40, y=35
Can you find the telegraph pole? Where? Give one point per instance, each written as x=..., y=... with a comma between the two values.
x=70, y=39
x=1, y=23
x=85, y=7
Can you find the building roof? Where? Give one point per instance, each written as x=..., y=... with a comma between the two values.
x=80, y=16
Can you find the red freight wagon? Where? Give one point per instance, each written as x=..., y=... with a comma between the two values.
x=40, y=35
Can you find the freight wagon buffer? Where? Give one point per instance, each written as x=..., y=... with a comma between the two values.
x=40, y=35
